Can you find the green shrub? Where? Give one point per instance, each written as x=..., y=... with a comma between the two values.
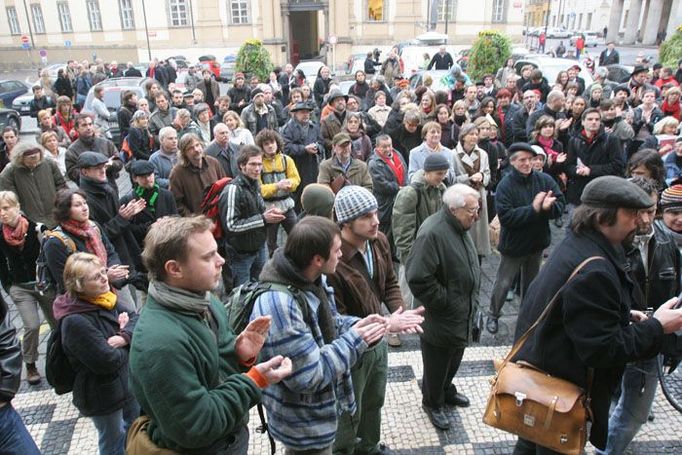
x=489, y=53
x=254, y=60
x=670, y=51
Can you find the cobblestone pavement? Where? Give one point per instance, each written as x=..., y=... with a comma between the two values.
x=58, y=428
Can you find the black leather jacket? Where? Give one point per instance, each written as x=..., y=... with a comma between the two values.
x=662, y=282
x=10, y=356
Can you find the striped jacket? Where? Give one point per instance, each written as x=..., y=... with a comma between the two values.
x=241, y=213
x=303, y=408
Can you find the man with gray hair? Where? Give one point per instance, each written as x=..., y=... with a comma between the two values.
x=166, y=156
x=443, y=263
x=223, y=150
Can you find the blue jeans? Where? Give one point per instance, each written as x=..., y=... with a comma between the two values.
x=113, y=428
x=14, y=437
x=246, y=266
x=636, y=397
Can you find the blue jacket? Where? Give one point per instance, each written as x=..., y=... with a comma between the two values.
x=673, y=168
x=303, y=408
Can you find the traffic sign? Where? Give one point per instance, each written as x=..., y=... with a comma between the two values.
x=24, y=39
x=25, y=45
x=67, y=43
x=332, y=40
x=43, y=53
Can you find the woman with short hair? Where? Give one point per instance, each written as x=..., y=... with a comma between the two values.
x=238, y=134
x=96, y=339
x=19, y=250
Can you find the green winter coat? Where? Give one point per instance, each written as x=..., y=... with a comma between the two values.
x=188, y=384
x=414, y=204
x=444, y=276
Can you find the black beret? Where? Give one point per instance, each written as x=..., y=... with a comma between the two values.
x=611, y=192
x=141, y=167
x=301, y=106
x=91, y=159
x=521, y=147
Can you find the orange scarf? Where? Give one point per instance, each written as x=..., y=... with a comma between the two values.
x=16, y=236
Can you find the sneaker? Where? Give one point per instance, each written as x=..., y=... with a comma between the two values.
x=32, y=375
x=394, y=340
x=492, y=325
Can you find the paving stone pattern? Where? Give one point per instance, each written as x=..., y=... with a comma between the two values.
x=58, y=428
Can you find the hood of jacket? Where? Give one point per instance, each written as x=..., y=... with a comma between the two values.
x=65, y=304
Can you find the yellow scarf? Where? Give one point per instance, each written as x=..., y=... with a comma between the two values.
x=106, y=300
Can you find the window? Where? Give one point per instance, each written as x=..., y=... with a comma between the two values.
x=589, y=21
x=127, y=15
x=13, y=20
x=178, y=13
x=64, y=16
x=498, y=10
x=376, y=10
x=94, y=15
x=38, y=22
x=239, y=11
x=450, y=6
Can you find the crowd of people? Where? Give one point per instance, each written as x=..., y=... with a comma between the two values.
x=390, y=198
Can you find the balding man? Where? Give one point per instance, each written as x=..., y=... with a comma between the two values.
x=442, y=60
x=553, y=107
x=223, y=150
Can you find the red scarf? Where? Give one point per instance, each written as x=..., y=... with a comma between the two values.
x=88, y=232
x=547, y=144
x=16, y=236
x=589, y=140
x=396, y=166
x=673, y=109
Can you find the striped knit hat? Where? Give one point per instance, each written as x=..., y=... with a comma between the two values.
x=352, y=202
x=672, y=198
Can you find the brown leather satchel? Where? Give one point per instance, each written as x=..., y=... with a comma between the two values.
x=339, y=182
x=536, y=406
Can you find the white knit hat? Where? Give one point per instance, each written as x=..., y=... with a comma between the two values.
x=352, y=202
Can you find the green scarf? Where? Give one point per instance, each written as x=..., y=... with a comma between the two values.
x=149, y=195
x=179, y=299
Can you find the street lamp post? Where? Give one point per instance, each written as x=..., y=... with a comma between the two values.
x=146, y=30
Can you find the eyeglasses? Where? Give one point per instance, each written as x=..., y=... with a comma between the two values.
x=473, y=210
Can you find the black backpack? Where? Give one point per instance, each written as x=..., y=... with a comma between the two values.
x=44, y=279
x=59, y=371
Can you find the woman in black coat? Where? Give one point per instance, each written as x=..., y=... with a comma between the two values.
x=95, y=338
x=62, y=86
x=139, y=138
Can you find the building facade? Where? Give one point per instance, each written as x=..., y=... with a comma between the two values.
x=125, y=30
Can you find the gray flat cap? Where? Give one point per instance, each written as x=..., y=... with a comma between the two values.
x=615, y=192
x=91, y=159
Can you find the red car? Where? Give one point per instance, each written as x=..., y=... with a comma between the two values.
x=209, y=62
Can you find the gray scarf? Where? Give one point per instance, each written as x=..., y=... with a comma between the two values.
x=179, y=299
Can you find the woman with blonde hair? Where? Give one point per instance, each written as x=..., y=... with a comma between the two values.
x=238, y=134
x=46, y=83
x=46, y=123
x=664, y=135
x=20, y=247
x=431, y=135
x=56, y=152
x=460, y=114
x=474, y=161
x=427, y=107
x=96, y=337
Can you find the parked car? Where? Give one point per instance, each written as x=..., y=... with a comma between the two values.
x=355, y=63
x=113, y=90
x=22, y=104
x=438, y=76
x=555, y=32
x=9, y=90
x=619, y=73
x=310, y=69
x=53, y=69
x=9, y=117
x=210, y=62
x=591, y=39
x=227, y=68
x=550, y=67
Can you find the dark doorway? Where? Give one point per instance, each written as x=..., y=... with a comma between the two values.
x=304, y=43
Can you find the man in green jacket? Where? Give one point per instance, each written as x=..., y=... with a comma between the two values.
x=193, y=377
x=415, y=203
x=444, y=275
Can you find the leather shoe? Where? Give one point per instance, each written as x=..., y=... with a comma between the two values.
x=385, y=450
x=492, y=325
x=456, y=399
x=437, y=418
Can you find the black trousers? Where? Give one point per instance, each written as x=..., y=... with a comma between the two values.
x=525, y=447
x=440, y=367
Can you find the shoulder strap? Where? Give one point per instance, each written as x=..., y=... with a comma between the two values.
x=65, y=239
x=296, y=293
x=521, y=341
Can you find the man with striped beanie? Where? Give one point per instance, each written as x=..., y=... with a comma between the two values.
x=671, y=208
x=364, y=279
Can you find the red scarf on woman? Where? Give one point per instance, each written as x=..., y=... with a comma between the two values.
x=16, y=236
x=672, y=109
x=88, y=232
x=547, y=144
